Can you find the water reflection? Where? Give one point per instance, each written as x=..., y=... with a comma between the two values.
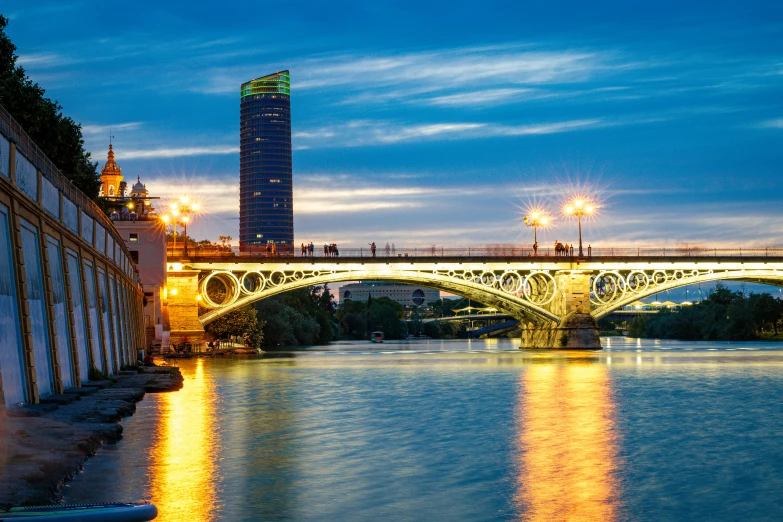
x=183, y=456
x=568, y=446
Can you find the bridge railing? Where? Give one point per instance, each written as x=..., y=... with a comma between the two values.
x=476, y=251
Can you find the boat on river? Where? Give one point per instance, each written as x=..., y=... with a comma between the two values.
x=376, y=337
x=109, y=512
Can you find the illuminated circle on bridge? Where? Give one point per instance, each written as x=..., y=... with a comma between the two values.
x=277, y=278
x=298, y=275
x=230, y=282
x=659, y=277
x=608, y=286
x=255, y=279
x=468, y=275
x=488, y=278
x=511, y=282
x=637, y=281
x=539, y=288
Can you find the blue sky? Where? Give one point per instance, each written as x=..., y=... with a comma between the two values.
x=426, y=123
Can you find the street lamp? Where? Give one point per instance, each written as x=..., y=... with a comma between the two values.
x=579, y=207
x=536, y=219
x=180, y=213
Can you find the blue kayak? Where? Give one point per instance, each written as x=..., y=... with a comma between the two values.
x=111, y=512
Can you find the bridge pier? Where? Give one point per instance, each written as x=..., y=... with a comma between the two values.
x=577, y=330
x=182, y=304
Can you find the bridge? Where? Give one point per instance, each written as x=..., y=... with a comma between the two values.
x=557, y=299
x=70, y=297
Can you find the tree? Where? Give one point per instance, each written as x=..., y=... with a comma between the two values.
x=58, y=136
x=242, y=322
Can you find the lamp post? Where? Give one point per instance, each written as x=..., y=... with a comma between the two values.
x=579, y=207
x=535, y=220
x=180, y=213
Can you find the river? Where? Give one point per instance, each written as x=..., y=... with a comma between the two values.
x=459, y=430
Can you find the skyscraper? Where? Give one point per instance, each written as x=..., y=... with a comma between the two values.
x=266, y=212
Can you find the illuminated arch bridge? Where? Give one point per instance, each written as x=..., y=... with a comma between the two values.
x=544, y=293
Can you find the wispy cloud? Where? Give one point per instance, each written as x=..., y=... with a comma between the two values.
x=366, y=132
x=96, y=130
x=772, y=124
x=177, y=152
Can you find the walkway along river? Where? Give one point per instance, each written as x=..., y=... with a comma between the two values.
x=459, y=430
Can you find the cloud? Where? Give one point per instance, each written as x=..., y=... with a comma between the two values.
x=482, y=98
x=364, y=132
x=772, y=124
x=177, y=152
x=95, y=130
x=426, y=71
x=41, y=60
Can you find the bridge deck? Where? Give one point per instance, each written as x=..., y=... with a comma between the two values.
x=559, y=260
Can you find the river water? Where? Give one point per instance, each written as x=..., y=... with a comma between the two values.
x=459, y=430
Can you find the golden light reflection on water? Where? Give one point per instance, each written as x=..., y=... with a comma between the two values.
x=567, y=444
x=183, y=460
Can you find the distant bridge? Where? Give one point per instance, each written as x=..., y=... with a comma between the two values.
x=541, y=292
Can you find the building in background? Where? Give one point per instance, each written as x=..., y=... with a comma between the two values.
x=144, y=233
x=406, y=295
x=111, y=177
x=266, y=212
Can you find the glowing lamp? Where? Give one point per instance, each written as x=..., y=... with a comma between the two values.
x=195, y=206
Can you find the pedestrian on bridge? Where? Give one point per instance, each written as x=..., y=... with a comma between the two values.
x=312, y=249
x=388, y=249
x=372, y=248
x=326, y=250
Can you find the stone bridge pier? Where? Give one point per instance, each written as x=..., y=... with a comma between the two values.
x=182, y=297
x=576, y=329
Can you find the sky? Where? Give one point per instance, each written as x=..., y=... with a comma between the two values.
x=440, y=123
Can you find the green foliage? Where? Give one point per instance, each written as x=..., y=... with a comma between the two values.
x=58, y=136
x=445, y=307
x=724, y=315
x=299, y=317
x=242, y=322
x=358, y=319
x=446, y=330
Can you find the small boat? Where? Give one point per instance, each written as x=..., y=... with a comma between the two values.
x=376, y=337
x=110, y=512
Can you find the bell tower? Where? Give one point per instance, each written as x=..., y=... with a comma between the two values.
x=111, y=176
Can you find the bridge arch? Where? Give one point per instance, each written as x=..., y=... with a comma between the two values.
x=614, y=289
x=523, y=298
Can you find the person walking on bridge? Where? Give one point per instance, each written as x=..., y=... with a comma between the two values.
x=372, y=248
x=388, y=249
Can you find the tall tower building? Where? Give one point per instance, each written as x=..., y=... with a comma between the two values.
x=266, y=212
x=111, y=176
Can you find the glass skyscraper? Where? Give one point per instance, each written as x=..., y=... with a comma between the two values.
x=266, y=211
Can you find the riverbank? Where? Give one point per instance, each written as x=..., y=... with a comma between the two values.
x=44, y=445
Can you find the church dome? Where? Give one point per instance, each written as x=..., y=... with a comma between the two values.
x=139, y=189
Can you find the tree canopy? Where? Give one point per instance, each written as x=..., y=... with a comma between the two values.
x=723, y=315
x=58, y=136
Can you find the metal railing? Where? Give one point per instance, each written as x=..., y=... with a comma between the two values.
x=489, y=251
x=27, y=147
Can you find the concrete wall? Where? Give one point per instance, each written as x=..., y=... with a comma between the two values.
x=148, y=239
x=70, y=297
